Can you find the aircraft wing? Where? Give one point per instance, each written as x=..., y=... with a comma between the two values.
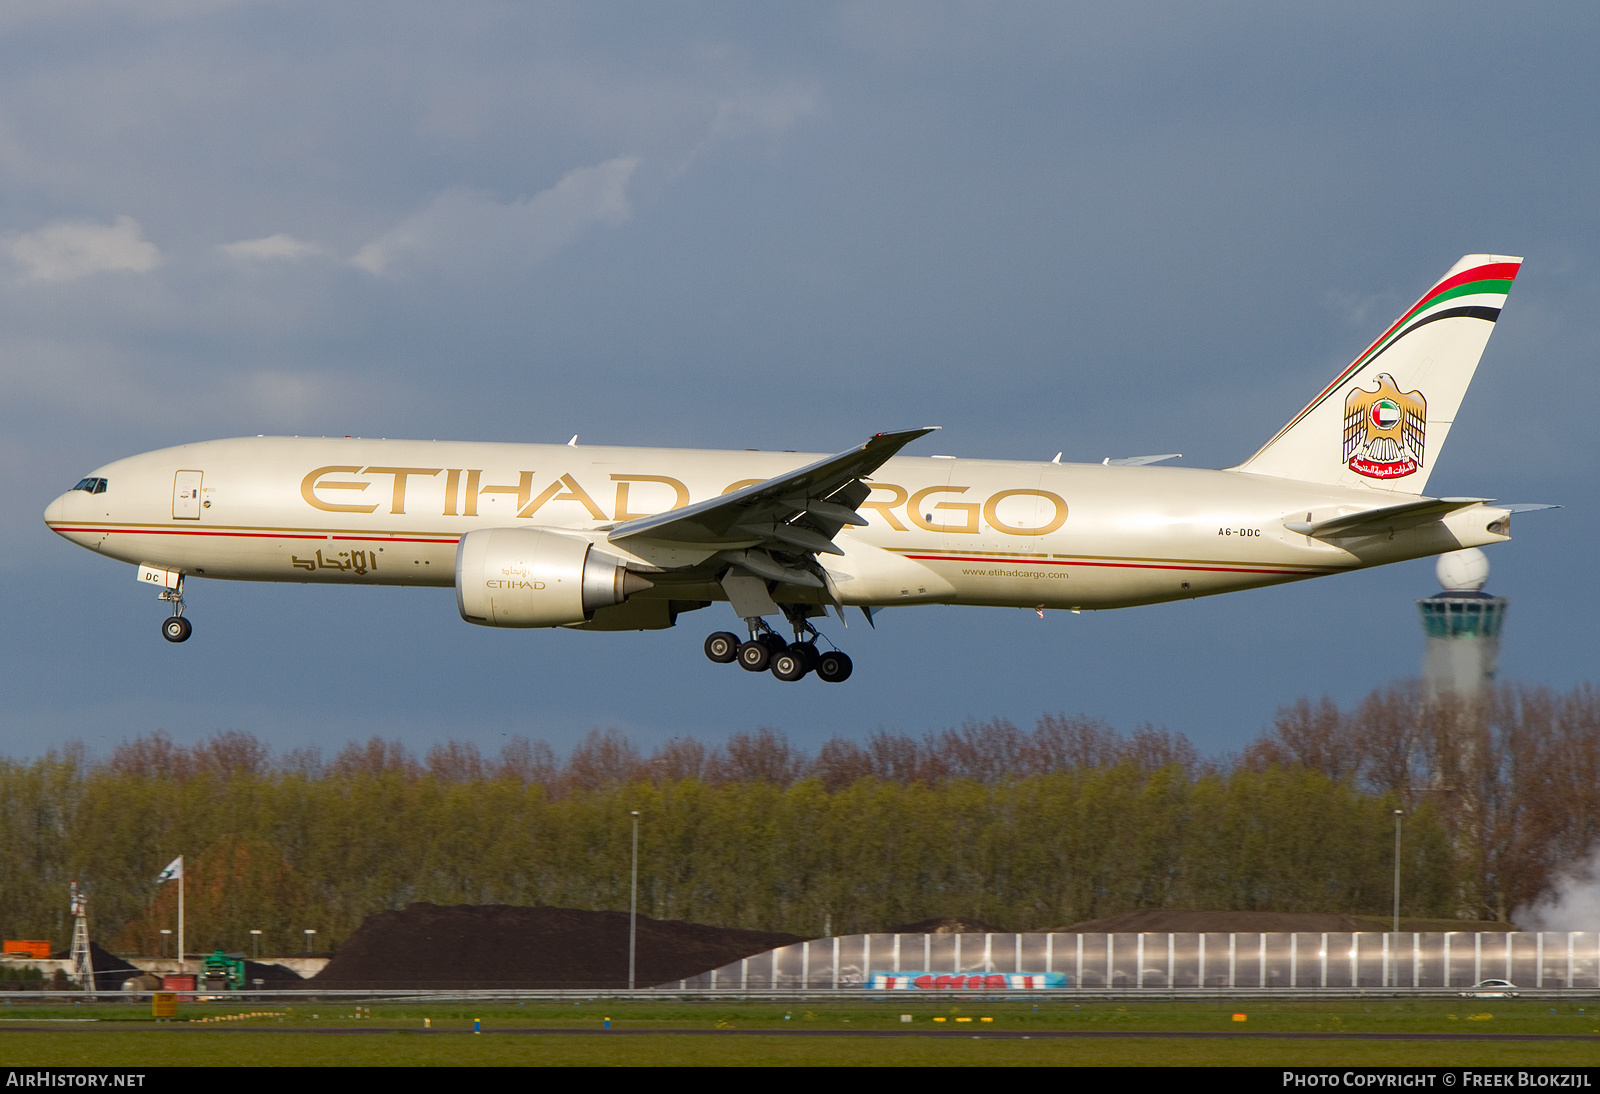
x=1140, y=461
x=797, y=513
x=1374, y=522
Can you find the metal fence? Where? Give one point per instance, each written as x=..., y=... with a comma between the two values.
x=1300, y=962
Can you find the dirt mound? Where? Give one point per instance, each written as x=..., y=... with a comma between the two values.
x=109, y=970
x=1179, y=921
x=500, y=946
x=947, y=924
x=272, y=976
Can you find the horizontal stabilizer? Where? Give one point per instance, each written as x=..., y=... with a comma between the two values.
x=1526, y=506
x=1390, y=518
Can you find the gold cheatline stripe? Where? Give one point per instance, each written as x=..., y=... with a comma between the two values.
x=987, y=556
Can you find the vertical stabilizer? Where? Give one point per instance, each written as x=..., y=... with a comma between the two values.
x=1383, y=421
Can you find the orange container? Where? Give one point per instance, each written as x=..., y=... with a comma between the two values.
x=33, y=947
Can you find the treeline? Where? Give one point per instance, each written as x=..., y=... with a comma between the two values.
x=985, y=752
x=1025, y=829
x=1515, y=779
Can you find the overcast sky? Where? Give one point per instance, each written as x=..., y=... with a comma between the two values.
x=1106, y=230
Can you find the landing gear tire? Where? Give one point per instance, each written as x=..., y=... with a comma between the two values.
x=834, y=667
x=791, y=664
x=722, y=647
x=754, y=656
x=774, y=644
x=810, y=652
x=176, y=629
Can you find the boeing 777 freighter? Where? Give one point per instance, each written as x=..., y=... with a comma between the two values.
x=631, y=538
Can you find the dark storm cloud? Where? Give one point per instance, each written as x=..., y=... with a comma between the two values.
x=1105, y=229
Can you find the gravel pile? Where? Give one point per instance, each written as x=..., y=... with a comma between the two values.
x=500, y=946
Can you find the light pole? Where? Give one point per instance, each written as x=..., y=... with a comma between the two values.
x=255, y=939
x=633, y=902
x=309, y=932
x=1398, y=813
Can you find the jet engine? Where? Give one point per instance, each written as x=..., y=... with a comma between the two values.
x=529, y=577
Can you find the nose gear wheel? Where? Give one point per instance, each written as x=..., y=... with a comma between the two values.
x=175, y=628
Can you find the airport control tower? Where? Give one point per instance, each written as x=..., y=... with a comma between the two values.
x=1463, y=628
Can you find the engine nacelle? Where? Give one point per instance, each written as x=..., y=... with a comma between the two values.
x=529, y=577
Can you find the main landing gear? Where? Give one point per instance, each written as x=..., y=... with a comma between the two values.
x=175, y=628
x=766, y=651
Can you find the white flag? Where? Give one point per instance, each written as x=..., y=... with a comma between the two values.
x=173, y=871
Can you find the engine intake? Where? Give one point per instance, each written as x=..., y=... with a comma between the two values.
x=529, y=577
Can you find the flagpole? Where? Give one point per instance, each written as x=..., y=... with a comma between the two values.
x=174, y=872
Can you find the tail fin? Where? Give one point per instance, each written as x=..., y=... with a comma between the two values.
x=1383, y=421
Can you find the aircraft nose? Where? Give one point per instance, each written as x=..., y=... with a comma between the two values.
x=56, y=511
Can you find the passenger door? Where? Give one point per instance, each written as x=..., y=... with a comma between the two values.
x=186, y=496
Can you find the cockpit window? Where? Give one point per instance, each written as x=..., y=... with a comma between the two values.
x=91, y=486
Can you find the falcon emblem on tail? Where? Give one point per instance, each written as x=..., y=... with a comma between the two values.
x=1383, y=430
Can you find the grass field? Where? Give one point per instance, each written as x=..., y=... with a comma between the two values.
x=734, y=1034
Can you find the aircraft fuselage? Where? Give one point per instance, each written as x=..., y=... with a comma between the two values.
x=940, y=530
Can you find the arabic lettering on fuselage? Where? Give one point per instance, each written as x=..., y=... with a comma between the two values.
x=931, y=508
x=357, y=562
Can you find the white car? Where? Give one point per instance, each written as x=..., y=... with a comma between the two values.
x=1492, y=989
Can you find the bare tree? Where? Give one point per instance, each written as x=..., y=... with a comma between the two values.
x=1062, y=744
x=376, y=757
x=528, y=762
x=455, y=761
x=152, y=756
x=983, y=751
x=678, y=759
x=1152, y=749
x=603, y=759
x=841, y=762
x=764, y=756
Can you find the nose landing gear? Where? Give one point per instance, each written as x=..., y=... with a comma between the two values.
x=175, y=628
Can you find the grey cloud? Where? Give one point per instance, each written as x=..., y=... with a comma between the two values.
x=271, y=247
x=1132, y=228
x=462, y=230
x=70, y=249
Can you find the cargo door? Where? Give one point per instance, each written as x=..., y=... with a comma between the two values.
x=186, y=496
